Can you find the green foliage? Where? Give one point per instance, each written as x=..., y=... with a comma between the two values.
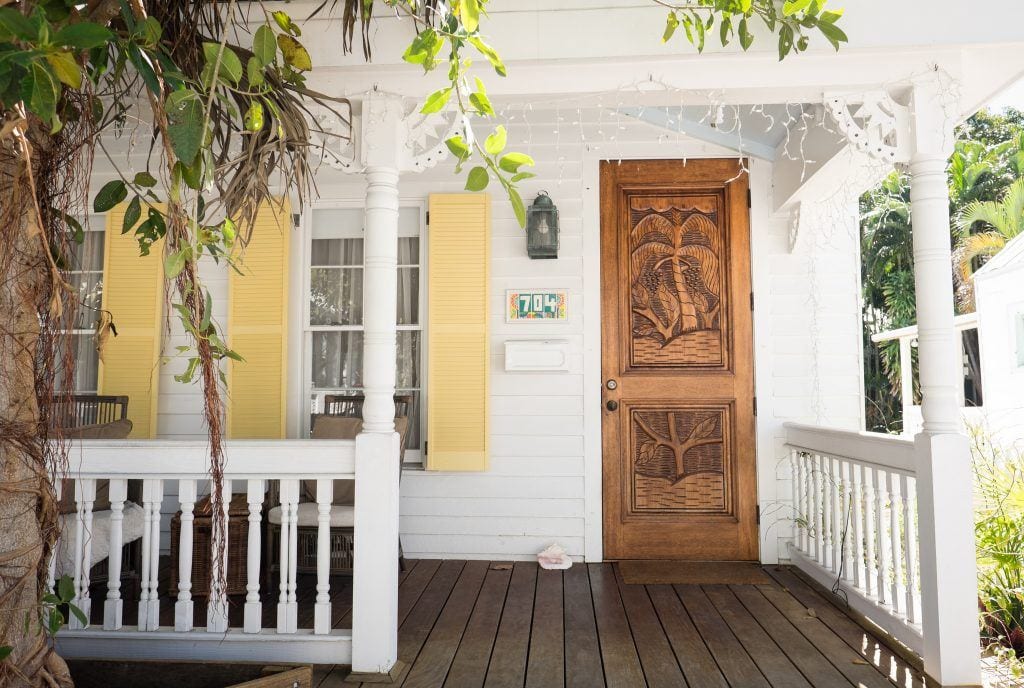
x=999, y=534
x=794, y=22
x=987, y=159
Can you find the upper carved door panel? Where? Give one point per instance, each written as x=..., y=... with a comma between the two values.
x=677, y=274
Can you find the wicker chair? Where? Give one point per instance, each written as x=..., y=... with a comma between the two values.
x=80, y=410
x=342, y=509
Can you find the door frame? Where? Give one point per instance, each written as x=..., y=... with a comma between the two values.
x=763, y=241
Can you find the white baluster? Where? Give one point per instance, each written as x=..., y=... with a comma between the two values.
x=857, y=518
x=913, y=606
x=322, y=610
x=818, y=517
x=287, y=608
x=794, y=473
x=809, y=506
x=870, y=579
x=833, y=515
x=217, y=606
x=85, y=495
x=184, y=607
x=253, y=621
x=895, y=540
x=114, y=605
x=149, y=601
x=828, y=485
x=846, y=520
x=882, y=536
x=51, y=576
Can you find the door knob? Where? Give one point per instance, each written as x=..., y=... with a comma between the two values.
x=612, y=384
x=612, y=405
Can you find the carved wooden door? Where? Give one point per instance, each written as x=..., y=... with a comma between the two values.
x=677, y=359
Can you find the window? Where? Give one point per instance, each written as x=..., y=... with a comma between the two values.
x=334, y=327
x=86, y=277
x=1018, y=321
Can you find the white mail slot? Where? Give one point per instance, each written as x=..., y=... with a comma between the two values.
x=524, y=355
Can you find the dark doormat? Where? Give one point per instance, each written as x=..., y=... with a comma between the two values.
x=692, y=573
x=155, y=674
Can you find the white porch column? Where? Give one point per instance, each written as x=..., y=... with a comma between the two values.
x=386, y=150
x=949, y=591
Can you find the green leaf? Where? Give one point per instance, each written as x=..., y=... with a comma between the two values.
x=229, y=231
x=746, y=38
x=185, y=113
x=785, y=41
x=174, y=263
x=436, y=101
x=132, y=215
x=295, y=55
x=518, y=207
x=671, y=24
x=477, y=179
x=264, y=45
x=833, y=33
x=458, y=146
x=66, y=588
x=145, y=180
x=254, y=71
x=5, y=652
x=469, y=13
x=79, y=614
x=66, y=69
x=40, y=90
x=286, y=23
x=516, y=178
x=482, y=103
x=491, y=54
x=254, y=117
x=511, y=162
x=496, y=142
x=150, y=31
x=230, y=65
x=791, y=7
x=112, y=193
x=83, y=35
x=14, y=24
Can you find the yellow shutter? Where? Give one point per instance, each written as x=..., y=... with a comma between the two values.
x=457, y=326
x=133, y=292
x=258, y=329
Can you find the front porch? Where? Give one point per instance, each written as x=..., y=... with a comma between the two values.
x=483, y=623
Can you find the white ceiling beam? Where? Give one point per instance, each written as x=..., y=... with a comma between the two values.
x=663, y=120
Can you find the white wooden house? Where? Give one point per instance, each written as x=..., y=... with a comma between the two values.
x=568, y=430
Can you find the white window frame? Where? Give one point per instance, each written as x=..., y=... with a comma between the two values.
x=88, y=226
x=413, y=455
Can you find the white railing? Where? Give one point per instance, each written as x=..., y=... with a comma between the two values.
x=252, y=468
x=856, y=527
x=907, y=337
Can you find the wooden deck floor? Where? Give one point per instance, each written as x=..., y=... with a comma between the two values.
x=491, y=624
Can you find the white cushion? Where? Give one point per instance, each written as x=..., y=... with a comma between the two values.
x=341, y=516
x=131, y=529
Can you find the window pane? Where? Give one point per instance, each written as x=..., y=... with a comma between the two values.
x=408, y=296
x=336, y=296
x=408, y=251
x=337, y=223
x=85, y=359
x=337, y=360
x=408, y=363
x=336, y=252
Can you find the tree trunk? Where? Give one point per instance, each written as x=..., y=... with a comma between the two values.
x=27, y=511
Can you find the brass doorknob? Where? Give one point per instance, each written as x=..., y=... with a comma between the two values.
x=612, y=405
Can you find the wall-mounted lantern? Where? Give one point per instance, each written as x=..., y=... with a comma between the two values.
x=542, y=228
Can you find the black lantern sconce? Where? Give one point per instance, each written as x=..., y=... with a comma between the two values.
x=542, y=228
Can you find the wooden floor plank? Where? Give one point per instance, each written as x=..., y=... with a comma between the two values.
x=737, y=666
x=812, y=664
x=582, y=649
x=772, y=661
x=865, y=644
x=412, y=587
x=618, y=652
x=469, y=668
x=423, y=615
x=660, y=666
x=438, y=651
x=545, y=667
x=843, y=657
x=698, y=665
x=512, y=644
